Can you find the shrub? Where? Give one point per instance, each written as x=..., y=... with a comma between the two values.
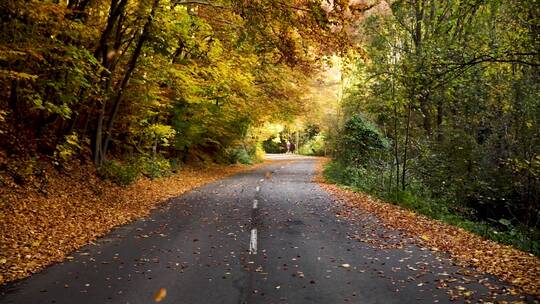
x=314, y=146
x=155, y=166
x=360, y=141
x=126, y=173
x=236, y=155
x=120, y=173
x=175, y=164
x=243, y=154
x=417, y=197
x=273, y=145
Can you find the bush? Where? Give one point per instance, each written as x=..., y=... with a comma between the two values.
x=416, y=197
x=273, y=145
x=175, y=164
x=360, y=141
x=126, y=173
x=257, y=155
x=243, y=155
x=120, y=173
x=238, y=155
x=154, y=166
x=314, y=146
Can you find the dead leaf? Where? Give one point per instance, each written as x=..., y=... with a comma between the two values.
x=160, y=295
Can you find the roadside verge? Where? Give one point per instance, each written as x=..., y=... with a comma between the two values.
x=518, y=268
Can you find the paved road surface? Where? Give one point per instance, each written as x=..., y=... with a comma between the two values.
x=265, y=236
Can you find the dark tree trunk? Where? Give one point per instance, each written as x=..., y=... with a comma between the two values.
x=440, y=115
x=127, y=76
x=405, y=148
x=101, y=53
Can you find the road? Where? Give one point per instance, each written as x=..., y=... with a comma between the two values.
x=269, y=235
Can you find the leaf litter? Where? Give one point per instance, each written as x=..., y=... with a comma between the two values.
x=516, y=267
x=40, y=228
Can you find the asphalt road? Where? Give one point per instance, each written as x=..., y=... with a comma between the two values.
x=264, y=236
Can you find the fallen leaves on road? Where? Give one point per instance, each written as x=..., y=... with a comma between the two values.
x=518, y=268
x=37, y=230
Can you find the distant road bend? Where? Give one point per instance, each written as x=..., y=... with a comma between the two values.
x=269, y=235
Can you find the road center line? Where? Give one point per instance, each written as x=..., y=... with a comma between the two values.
x=253, y=241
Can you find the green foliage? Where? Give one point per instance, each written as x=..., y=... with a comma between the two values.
x=273, y=145
x=417, y=197
x=129, y=171
x=236, y=155
x=160, y=134
x=314, y=146
x=154, y=166
x=360, y=141
x=120, y=173
x=65, y=151
x=456, y=91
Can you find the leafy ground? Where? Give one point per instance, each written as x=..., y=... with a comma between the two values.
x=519, y=268
x=40, y=225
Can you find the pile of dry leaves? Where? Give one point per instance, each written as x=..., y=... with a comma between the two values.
x=37, y=229
x=519, y=268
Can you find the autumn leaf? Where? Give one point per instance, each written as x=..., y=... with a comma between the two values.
x=510, y=264
x=160, y=295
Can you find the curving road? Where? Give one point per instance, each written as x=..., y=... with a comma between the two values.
x=266, y=236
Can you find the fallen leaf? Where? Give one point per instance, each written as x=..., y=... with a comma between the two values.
x=160, y=295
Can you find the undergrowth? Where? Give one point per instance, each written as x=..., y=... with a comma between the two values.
x=417, y=198
x=129, y=171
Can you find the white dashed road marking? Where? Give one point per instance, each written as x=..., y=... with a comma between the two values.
x=253, y=241
x=253, y=237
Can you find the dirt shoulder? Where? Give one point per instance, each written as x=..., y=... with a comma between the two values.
x=39, y=228
x=518, y=268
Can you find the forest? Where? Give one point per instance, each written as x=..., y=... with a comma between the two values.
x=442, y=115
x=123, y=82
x=430, y=105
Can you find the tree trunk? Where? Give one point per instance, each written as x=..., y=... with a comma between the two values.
x=405, y=148
x=396, y=145
x=426, y=115
x=440, y=115
x=127, y=76
x=116, y=10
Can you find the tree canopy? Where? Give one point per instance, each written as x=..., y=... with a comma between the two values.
x=181, y=78
x=454, y=86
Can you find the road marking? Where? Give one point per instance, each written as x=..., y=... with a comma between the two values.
x=253, y=241
x=258, y=189
x=261, y=180
x=255, y=204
